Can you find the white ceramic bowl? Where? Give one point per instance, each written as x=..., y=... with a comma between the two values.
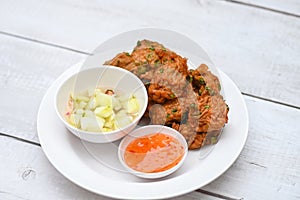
x=103, y=77
x=145, y=131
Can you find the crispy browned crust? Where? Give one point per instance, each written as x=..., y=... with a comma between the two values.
x=186, y=100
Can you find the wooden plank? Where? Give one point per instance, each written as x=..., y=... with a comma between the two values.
x=27, y=174
x=269, y=170
x=268, y=167
x=26, y=71
x=257, y=48
x=291, y=7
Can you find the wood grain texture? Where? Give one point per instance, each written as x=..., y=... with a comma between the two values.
x=268, y=167
x=286, y=6
x=257, y=48
x=26, y=71
x=27, y=174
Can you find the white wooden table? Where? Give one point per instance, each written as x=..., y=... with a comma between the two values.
x=255, y=42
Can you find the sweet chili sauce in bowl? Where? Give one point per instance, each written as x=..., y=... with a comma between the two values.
x=153, y=151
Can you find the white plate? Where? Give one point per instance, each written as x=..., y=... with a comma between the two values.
x=96, y=168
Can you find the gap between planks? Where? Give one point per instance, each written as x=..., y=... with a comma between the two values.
x=220, y=196
x=263, y=8
x=43, y=42
x=20, y=139
x=270, y=100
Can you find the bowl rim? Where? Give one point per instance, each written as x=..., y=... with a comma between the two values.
x=152, y=175
x=93, y=133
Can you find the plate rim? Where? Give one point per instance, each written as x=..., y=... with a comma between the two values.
x=72, y=70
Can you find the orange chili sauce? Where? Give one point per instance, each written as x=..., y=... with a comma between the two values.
x=155, y=152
